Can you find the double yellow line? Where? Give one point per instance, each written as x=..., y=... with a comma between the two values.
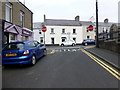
x=105, y=66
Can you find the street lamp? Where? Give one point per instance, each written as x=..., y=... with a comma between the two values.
x=97, y=41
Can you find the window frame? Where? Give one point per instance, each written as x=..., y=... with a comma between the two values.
x=74, y=31
x=22, y=18
x=63, y=31
x=31, y=45
x=41, y=40
x=74, y=38
x=52, y=31
x=63, y=39
x=8, y=5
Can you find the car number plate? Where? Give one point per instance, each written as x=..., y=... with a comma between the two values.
x=11, y=54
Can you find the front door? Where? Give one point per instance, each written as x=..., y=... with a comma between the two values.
x=52, y=40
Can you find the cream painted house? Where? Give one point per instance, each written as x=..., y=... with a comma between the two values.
x=59, y=30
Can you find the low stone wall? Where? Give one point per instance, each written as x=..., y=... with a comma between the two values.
x=110, y=45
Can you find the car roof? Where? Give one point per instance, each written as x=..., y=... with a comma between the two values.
x=69, y=40
x=88, y=39
x=22, y=41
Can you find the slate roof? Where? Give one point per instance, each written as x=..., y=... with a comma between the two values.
x=105, y=24
x=57, y=22
x=61, y=22
x=87, y=23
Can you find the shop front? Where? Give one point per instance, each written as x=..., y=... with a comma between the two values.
x=13, y=33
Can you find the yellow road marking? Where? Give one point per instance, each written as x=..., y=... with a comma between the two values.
x=89, y=47
x=105, y=66
x=103, y=63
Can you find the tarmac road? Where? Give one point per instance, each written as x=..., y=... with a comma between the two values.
x=62, y=69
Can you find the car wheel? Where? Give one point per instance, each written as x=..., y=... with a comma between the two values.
x=86, y=44
x=33, y=62
x=73, y=44
x=62, y=44
x=45, y=52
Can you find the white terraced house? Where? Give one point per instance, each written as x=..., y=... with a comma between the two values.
x=59, y=30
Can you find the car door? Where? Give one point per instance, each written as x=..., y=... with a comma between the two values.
x=92, y=41
x=33, y=49
x=88, y=41
x=70, y=42
x=67, y=42
x=39, y=50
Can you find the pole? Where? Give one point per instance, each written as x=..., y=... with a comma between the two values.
x=97, y=41
x=44, y=38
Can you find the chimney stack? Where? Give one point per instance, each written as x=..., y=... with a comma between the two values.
x=77, y=18
x=44, y=17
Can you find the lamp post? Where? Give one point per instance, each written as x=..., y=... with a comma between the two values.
x=97, y=41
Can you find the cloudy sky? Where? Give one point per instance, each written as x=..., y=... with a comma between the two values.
x=68, y=9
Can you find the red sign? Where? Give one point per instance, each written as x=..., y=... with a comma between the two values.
x=90, y=28
x=44, y=29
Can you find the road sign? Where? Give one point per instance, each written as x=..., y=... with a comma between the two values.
x=90, y=28
x=44, y=29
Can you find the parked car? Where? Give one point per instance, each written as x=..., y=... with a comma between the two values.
x=22, y=52
x=68, y=43
x=88, y=42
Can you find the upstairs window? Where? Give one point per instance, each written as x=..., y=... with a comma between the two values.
x=74, y=31
x=63, y=30
x=22, y=17
x=52, y=30
x=8, y=14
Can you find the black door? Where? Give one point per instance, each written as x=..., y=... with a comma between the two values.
x=52, y=40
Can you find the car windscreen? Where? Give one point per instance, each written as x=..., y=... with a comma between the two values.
x=14, y=46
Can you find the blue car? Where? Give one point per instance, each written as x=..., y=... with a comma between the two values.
x=22, y=52
x=88, y=42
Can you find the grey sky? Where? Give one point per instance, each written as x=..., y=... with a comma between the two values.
x=68, y=9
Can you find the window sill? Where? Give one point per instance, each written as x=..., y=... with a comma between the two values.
x=63, y=33
x=52, y=33
x=74, y=33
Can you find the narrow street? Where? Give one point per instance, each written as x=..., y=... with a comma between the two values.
x=64, y=68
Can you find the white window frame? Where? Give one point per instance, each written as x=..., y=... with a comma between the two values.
x=22, y=18
x=8, y=14
x=41, y=39
x=63, y=31
x=52, y=30
x=74, y=32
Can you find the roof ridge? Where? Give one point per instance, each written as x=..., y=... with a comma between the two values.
x=60, y=19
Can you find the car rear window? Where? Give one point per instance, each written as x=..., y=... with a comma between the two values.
x=14, y=46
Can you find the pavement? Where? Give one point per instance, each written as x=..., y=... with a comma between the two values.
x=108, y=56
